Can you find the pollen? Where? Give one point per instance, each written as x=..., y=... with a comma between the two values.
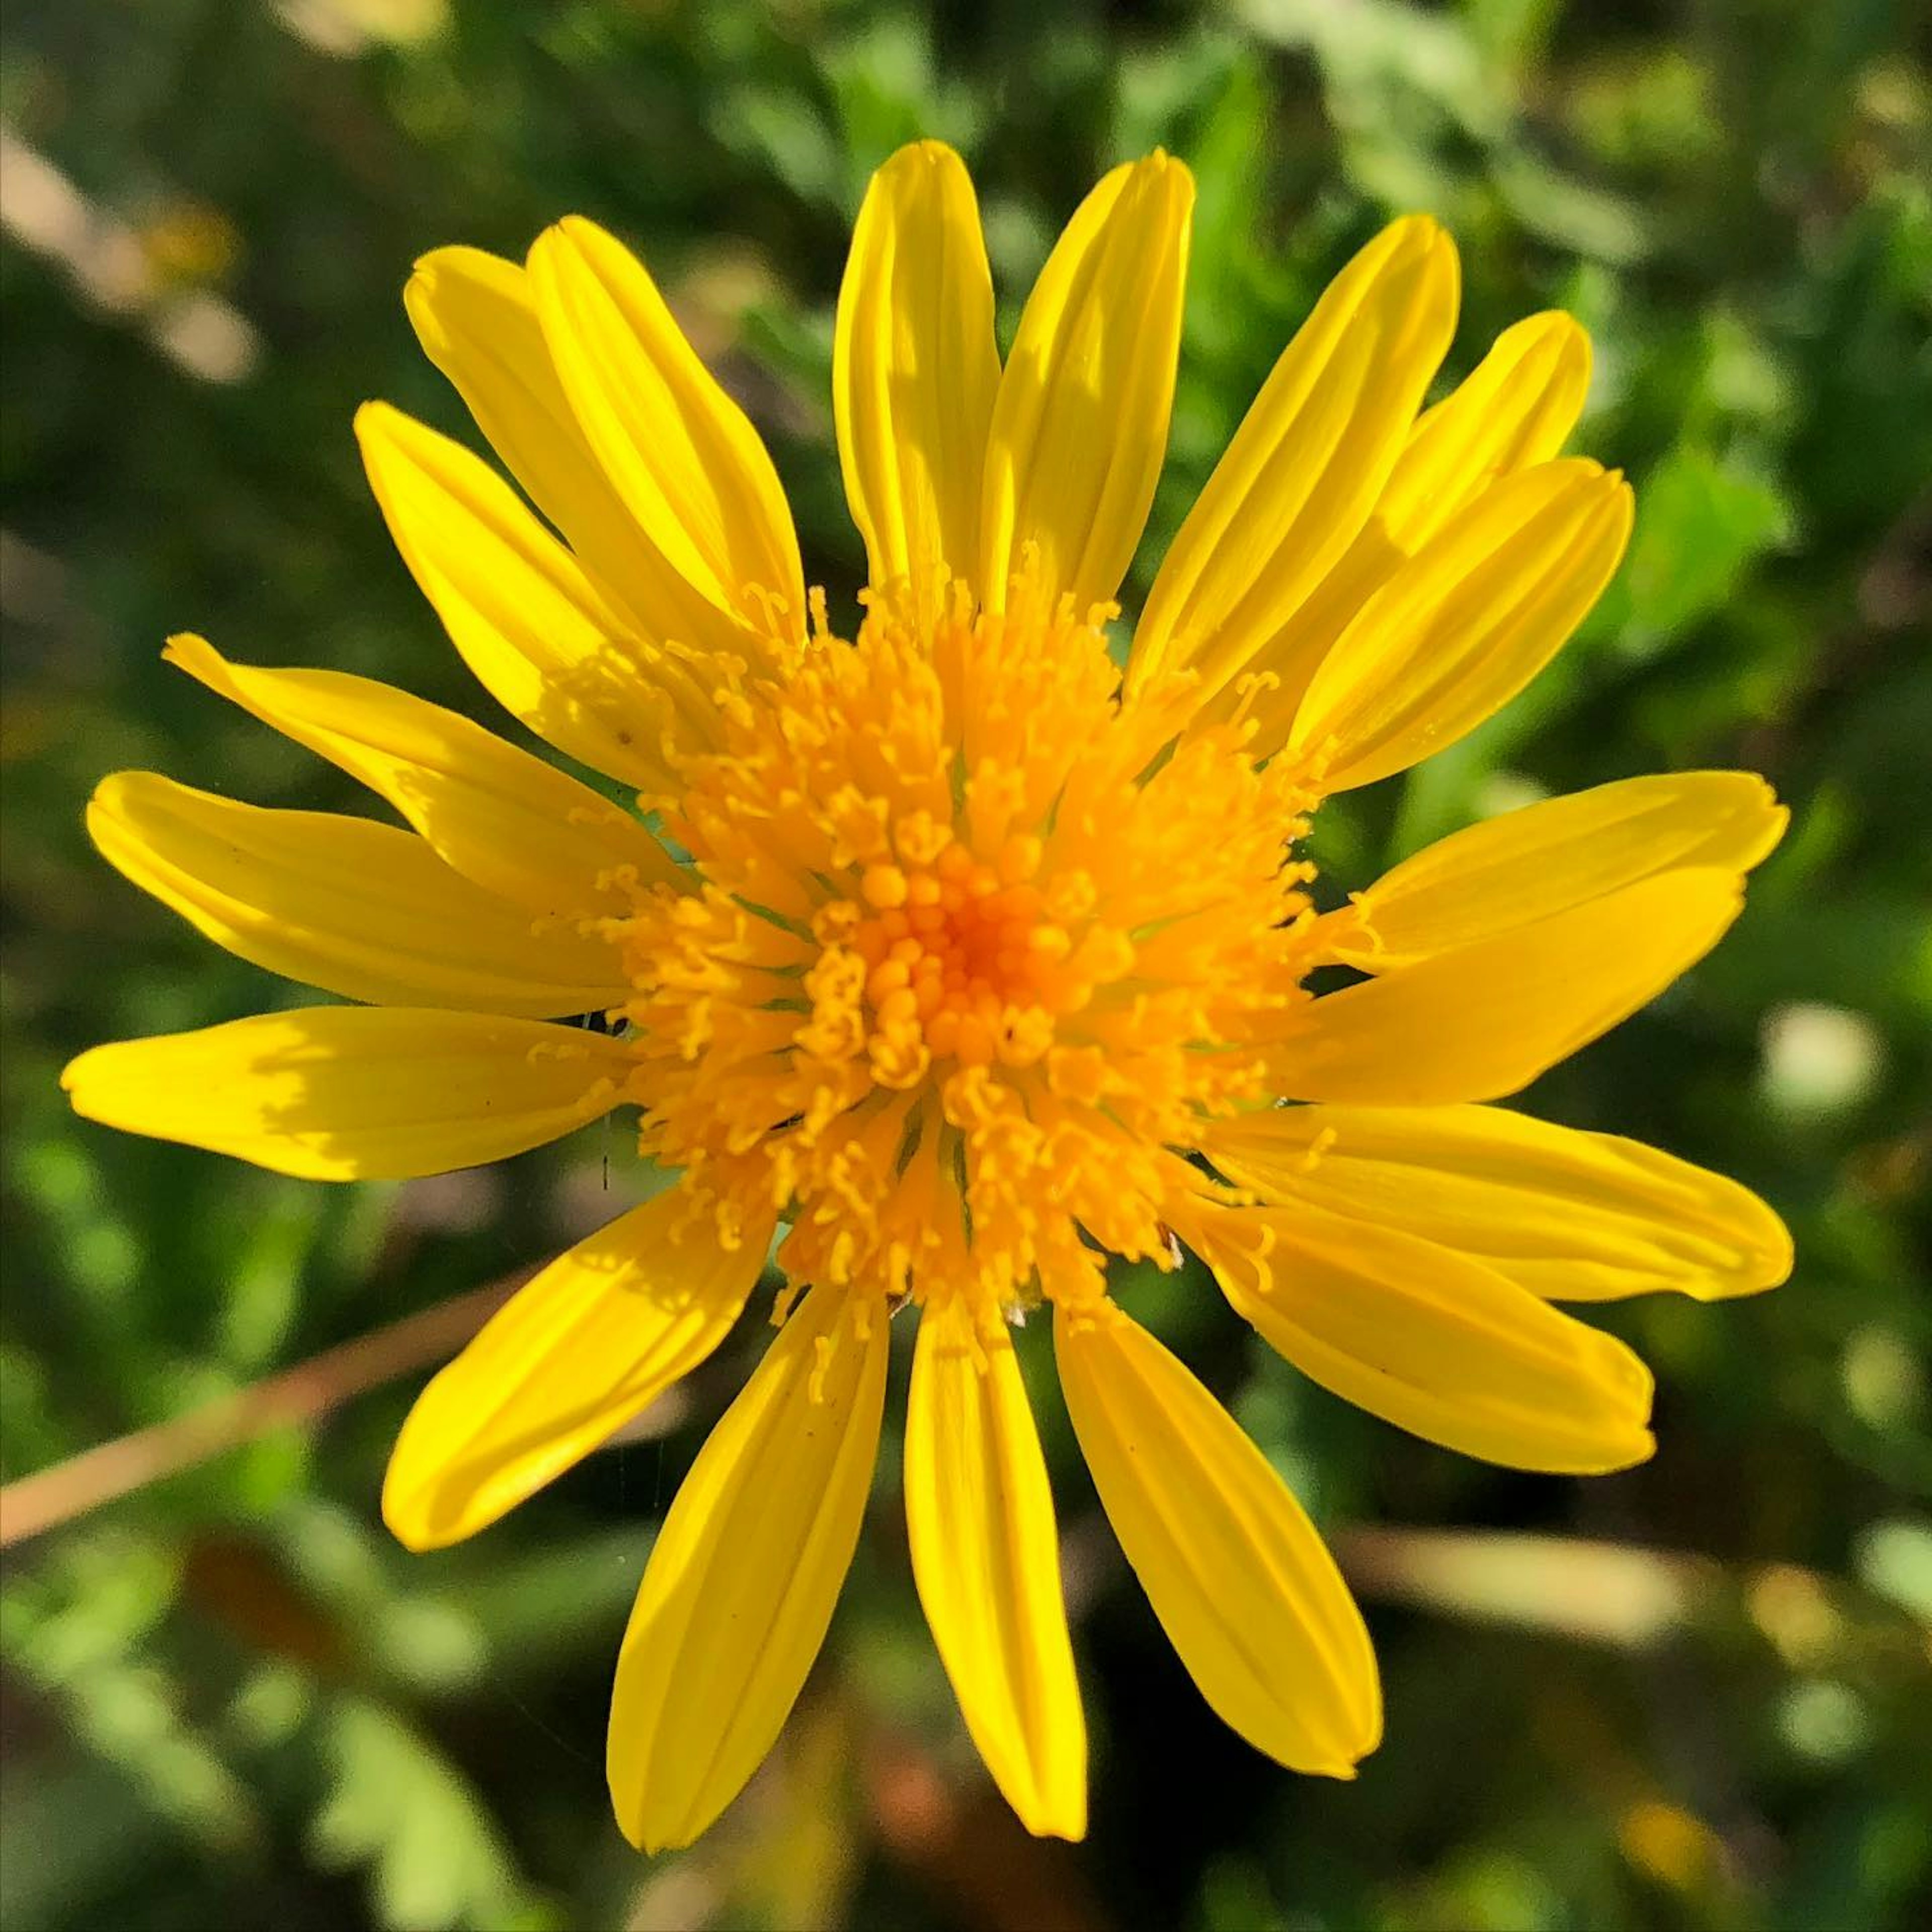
x=982, y=947
x=965, y=964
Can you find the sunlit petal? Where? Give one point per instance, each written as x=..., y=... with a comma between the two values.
x=574, y=1354
x=1080, y=425
x=1238, y=1576
x=986, y=1556
x=915, y=368
x=1462, y=626
x=1308, y=463
x=1429, y=1339
x=1509, y=871
x=684, y=457
x=741, y=1583
x=1568, y=1216
x=366, y=910
x=515, y=826
x=1483, y=1022
x=355, y=1093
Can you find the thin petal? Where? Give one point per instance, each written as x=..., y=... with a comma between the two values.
x=1430, y=1340
x=1240, y=1581
x=513, y=825
x=598, y=1335
x=516, y=605
x=986, y=1557
x=1080, y=425
x=1480, y=1023
x=1308, y=463
x=681, y=454
x=1510, y=871
x=1571, y=1216
x=741, y=1584
x=915, y=368
x=366, y=910
x=1459, y=629
x=476, y=319
x=355, y=1093
x=1512, y=412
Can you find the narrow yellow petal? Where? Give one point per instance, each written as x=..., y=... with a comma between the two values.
x=1571, y=1216
x=1481, y=1022
x=1509, y=871
x=515, y=602
x=1306, y=466
x=1240, y=1579
x=915, y=368
x=986, y=1557
x=1461, y=627
x=741, y=1584
x=513, y=825
x=1079, y=426
x=681, y=454
x=477, y=321
x=574, y=1354
x=366, y=910
x=1430, y=1340
x=1512, y=412
x=355, y=1093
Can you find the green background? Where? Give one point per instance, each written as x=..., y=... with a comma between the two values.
x=1696, y=1695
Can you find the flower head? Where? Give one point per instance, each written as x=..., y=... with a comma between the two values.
x=966, y=956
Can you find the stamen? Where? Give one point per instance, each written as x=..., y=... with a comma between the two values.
x=981, y=943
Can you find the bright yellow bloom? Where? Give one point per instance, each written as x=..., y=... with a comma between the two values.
x=968, y=958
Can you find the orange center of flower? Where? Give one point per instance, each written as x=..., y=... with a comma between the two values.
x=966, y=960
x=980, y=947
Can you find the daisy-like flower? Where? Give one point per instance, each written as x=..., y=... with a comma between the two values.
x=967, y=958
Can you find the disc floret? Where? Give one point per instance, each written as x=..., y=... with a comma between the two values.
x=980, y=946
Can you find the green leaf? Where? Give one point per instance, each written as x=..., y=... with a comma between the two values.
x=1701, y=524
x=397, y=1806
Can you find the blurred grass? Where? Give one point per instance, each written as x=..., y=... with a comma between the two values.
x=229, y=1700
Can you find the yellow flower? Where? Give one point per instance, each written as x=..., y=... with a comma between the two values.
x=968, y=958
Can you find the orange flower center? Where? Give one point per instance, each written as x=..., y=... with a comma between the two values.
x=980, y=947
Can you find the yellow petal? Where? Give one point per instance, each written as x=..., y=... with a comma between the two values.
x=1080, y=424
x=1430, y=1340
x=986, y=1557
x=741, y=1584
x=682, y=454
x=1460, y=628
x=355, y=1093
x=477, y=321
x=516, y=605
x=366, y=910
x=1307, y=463
x=513, y=825
x=573, y=1355
x=915, y=368
x=1509, y=871
x=1571, y=1216
x=1480, y=1023
x=1512, y=412
x=1240, y=1581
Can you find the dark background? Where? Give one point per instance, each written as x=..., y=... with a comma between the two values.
x=1695, y=1696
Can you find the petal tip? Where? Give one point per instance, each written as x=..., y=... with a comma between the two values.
x=1070, y=1826
x=927, y=153
x=189, y=651
x=408, y=1527
x=1769, y=1262
x=377, y=422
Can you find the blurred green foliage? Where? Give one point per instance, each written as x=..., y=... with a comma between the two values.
x=230, y=1700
